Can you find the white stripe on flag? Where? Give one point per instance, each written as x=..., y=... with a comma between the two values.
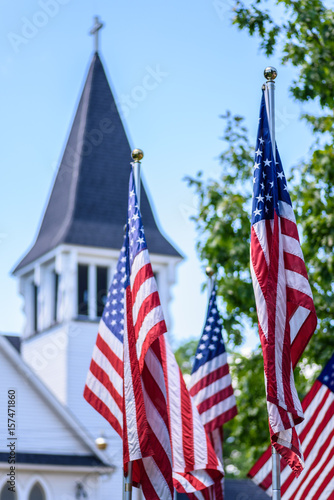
x=104, y=395
x=157, y=424
x=174, y=392
x=286, y=211
x=140, y=260
x=184, y=482
x=153, y=317
x=212, y=389
x=292, y=246
x=208, y=368
x=101, y=360
x=130, y=403
x=297, y=321
x=200, y=448
x=261, y=233
x=225, y=405
x=111, y=340
x=154, y=366
x=261, y=304
x=156, y=478
x=298, y=282
x=146, y=289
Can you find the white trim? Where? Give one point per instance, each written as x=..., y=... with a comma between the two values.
x=92, y=292
x=68, y=469
x=107, y=253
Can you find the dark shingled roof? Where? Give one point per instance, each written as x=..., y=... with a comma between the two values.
x=88, y=203
x=53, y=459
x=15, y=341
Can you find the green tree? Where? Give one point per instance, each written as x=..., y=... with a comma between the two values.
x=304, y=39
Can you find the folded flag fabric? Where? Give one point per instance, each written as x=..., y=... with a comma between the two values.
x=135, y=383
x=285, y=309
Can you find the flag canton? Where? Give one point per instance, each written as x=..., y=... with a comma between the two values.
x=113, y=314
x=327, y=375
x=269, y=183
x=135, y=228
x=211, y=343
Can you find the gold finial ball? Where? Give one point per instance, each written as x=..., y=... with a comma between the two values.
x=137, y=155
x=209, y=271
x=270, y=73
x=101, y=443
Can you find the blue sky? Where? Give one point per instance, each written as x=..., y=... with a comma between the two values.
x=203, y=66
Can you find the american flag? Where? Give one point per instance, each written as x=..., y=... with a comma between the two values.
x=317, y=438
x=285, y=309
x=134, y=381
x=211, y=385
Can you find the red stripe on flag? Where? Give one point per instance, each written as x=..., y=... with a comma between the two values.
x=148, y=304
x=291, y=456
x=187, y=428
x=142, y=275
x=300, y=298
x=209, y=379
x=259, y=262
x=289, y=228
x=99, y=406
x=114, y=360
x=148, y=490
x=151, y=336
x=155, y=393
x=194, y=481
x=215, y=399
x=299, y=344
x=295, y=264
x=104, y=378
x=221, y=419
x=140, y=416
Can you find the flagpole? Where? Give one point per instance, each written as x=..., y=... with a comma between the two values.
x=210, y=272
x=137, y=156
x=270, y=74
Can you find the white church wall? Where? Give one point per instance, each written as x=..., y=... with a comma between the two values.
x=61, y=484
x=82, y=337
x=38, y=428
x=46, y=354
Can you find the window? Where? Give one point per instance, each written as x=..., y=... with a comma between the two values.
x=37, y=492
x=35, y=307
x=82, y=290
x=6, y=494
x=101, y=289
x=55, y=291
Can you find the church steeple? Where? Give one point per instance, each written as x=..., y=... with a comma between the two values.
x=87, y=205
x=65, y=276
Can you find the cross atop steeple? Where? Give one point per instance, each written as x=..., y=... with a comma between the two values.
x=95, y=31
